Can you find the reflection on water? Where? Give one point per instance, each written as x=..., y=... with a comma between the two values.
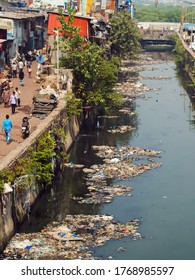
x=163, y=198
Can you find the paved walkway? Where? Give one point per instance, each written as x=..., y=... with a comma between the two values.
x=29, y=90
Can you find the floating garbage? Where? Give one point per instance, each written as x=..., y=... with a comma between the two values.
x=121, y=129
x=127, y=111
x=100, y=194
x=108, y=117
x=111, y=152
x=121, y=249
x=117, y=164
x=69, y=239
x=73, y=165
x=124, y=169
x=155, y=77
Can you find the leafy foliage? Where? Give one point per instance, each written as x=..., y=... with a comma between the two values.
x=125, y=36
x=38, y=163
x=1, y=187
x=94, y=77
x=179, y=50
x=161, y=13
x=42, y=159
x=73, y=105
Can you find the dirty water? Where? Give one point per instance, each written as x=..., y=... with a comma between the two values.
x=162, y=199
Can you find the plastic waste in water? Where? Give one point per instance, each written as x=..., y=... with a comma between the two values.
x=98, y=124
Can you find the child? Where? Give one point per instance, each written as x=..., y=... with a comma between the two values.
x=29, y=69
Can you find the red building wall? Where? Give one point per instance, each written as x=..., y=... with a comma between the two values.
x=82, y=23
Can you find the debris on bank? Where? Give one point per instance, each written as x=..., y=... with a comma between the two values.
x=112, y=152
x=72, y=238
x=155, y=77
x=108, y=117
x=117, y=164
x=122, y=169
x=120, y=129
x=126, y=111
x=74, y=165
x=101, y=193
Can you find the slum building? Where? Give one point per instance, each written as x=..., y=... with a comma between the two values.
x=25, y=30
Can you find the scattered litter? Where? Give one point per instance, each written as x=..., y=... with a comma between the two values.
x=71, y=165
x=121, y=249
x=108, y=117
x=155, y=77
x=100, y=194
x=121, y=129
x=70, y=238
x=117, y=164
x=111, y=152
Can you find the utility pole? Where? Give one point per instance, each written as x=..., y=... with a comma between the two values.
x=57, y=58
x=132, y=10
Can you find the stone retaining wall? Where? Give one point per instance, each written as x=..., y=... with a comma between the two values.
x=14, y=206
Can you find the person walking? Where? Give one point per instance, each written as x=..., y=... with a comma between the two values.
x=6, y=96
x=21, y=77
x=13, y=101
x=14, y=70
x=20, y=65
x=29, y=69
x=6, y=127
x=18, y=94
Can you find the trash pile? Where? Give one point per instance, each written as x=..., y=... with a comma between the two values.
x=121, y=169
x=131, y=89
x=108, y=117
x=72, y=238
x=101, y=193
x=126, y=111
x=121, y=129
x=73, y=165
x=136, y=68
x=118, y=164
x=113, y=152
x=154, y=77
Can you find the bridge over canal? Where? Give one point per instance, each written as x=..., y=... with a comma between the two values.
x=157, y=33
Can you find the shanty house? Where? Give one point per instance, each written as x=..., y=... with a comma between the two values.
x=25, y=31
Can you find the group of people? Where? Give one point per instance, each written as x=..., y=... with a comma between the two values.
x=18, y=68
x=12, y=99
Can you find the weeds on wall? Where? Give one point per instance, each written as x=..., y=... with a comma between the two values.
x=179, y=51
x=38, y=165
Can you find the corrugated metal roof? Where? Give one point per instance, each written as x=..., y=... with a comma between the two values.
x=189, y=26
x=51, y=2
x=19, y=15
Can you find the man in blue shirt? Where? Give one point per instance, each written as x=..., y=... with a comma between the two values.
x=6, y=127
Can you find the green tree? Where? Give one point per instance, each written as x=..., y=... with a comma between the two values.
x=94, y=77
x=161, y=13
x=125, y=35
x=42, y=159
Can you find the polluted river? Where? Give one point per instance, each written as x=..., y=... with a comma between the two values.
x=128, y=191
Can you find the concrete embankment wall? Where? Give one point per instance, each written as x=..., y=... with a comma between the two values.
x=14, y=206
x=188, y=63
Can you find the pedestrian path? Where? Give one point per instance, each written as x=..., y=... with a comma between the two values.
x=28, y=91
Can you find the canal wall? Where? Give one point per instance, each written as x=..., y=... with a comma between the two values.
x=15, y=204
x=187, y=57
